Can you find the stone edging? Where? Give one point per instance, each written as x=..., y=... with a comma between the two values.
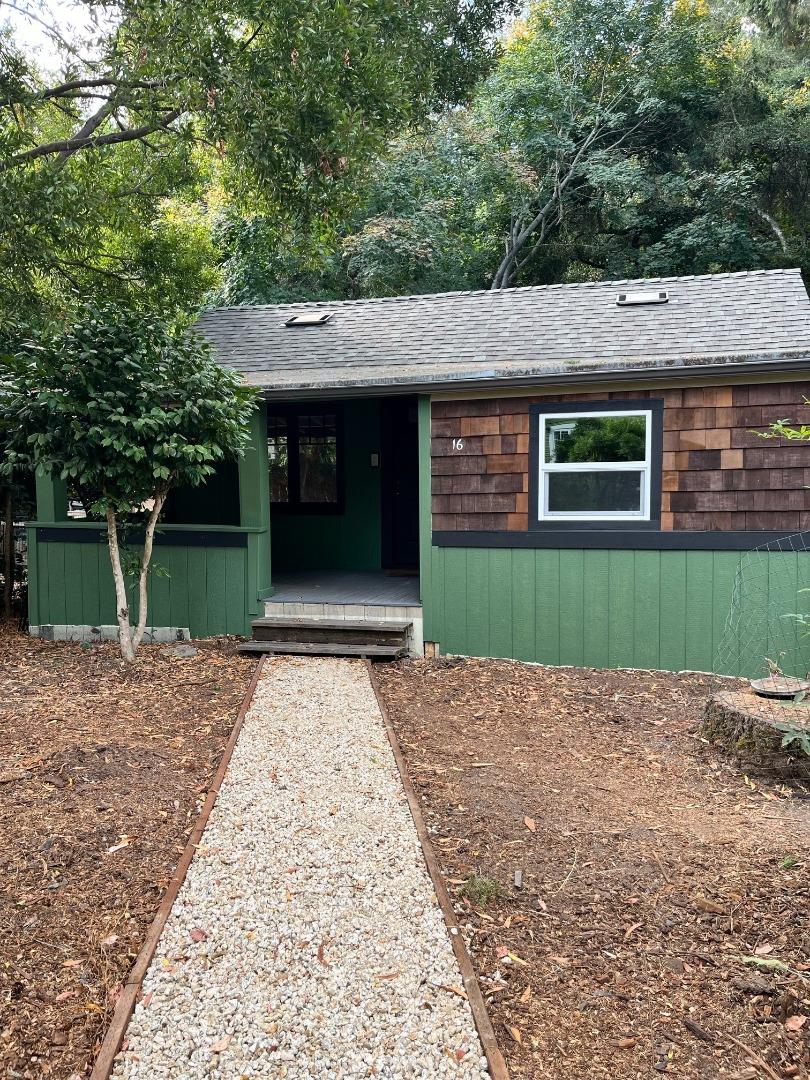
x=111, y=1044
x=497, y=1065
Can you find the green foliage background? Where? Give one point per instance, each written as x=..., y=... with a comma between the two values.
x=703, y=165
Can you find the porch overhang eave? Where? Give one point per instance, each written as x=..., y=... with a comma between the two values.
x=392, y=380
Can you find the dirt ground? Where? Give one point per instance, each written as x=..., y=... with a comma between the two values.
x=663, y=923
x=102, y=772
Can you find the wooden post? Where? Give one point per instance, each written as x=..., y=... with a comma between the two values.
x=254, y=511
x=432, y=631
x=52, y=501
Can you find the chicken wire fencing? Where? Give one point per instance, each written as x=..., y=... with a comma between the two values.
x=766, y=642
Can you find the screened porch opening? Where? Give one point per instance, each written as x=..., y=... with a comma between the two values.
x=344, y=506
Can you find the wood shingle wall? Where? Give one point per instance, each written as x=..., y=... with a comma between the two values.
x=717, y=472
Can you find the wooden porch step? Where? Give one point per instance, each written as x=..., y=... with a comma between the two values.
x=335, y=631
x=324, y=648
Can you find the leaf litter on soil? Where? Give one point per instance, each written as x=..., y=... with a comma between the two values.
x=663, y=921
x=103, y=772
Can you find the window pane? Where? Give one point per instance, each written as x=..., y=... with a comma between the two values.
x=596, y=438
x=278, y=453
x=594, y=492
x=317, y=457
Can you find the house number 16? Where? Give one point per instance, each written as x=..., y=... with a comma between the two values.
x=458, y=444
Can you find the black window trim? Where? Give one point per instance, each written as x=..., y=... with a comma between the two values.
x=653, y=405
x=291, y=413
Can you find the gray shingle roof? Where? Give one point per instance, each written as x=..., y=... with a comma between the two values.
x=543, y=331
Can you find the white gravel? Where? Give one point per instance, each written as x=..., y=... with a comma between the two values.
x=324, y=953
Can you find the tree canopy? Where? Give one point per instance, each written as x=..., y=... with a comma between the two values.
x=106, y=167
x=611, y=140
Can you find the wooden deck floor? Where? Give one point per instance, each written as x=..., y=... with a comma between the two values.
x=373, y=589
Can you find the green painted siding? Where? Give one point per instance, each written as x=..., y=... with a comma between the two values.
x=646, y=609
x=211, y=590
x=203, y=588
x=347, y=541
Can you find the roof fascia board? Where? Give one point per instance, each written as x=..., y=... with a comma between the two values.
x=559, y=381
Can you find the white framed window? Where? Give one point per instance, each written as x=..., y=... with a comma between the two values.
x=595, y=465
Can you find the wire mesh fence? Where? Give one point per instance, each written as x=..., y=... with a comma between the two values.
x=766, y=641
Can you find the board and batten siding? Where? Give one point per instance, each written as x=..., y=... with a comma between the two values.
x=645, y=609
x=668, y=609
x=203, y=588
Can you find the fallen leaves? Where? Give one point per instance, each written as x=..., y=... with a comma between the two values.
x=650, y=873
x=198, y=934
x=795, y=1022
x=703, y=903
x=766, y=963
x=95, y=803
x=625, y=1043
x=123, y=841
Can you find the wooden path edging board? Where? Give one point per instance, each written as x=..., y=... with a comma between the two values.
x=486, y=1033
x=111, y=1044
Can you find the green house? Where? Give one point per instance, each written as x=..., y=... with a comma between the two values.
x=568, y=474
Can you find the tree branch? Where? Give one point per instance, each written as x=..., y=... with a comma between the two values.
x=76, y=143
x=51, y=30
x=780, y=236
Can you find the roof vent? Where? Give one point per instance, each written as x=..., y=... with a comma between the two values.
x=310, y=318
x=626, y=299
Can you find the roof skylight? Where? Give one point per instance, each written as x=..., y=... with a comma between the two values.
x=627, y=299
x=310, y=318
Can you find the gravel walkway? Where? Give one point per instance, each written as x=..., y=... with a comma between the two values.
x=306, y=941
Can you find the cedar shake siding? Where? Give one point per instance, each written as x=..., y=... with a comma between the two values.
x=718, y=474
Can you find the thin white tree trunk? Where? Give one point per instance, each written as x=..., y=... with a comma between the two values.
x=143, y=576
x=121, y=603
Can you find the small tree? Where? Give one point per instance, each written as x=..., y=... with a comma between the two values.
x=124, y=408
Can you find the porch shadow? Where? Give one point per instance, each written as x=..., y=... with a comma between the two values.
x=369, y=588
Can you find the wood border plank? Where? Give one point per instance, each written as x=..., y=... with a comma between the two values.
x=114, y=1037
x=498, y=1069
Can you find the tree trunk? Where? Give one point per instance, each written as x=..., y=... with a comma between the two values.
x=121, y=604
x=8, y=553
x=143, y=576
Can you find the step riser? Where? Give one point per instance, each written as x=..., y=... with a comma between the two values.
x=410, y=614
x=298, y=648
x=336, y=636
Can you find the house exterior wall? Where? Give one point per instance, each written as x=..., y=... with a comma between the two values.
x=718, y=474
x=208, y=578
x=199, y=580
x=622, y=598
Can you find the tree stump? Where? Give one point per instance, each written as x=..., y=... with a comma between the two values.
x=752, y=729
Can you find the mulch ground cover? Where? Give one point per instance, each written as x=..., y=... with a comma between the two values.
x=102, y=772
x=663, y=922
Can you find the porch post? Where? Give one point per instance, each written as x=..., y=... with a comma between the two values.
x=254, y=510
x=52, y=501
x=425, y=538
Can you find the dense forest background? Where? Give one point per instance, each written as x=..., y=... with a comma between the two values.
x=182, y=154
x=609, y=140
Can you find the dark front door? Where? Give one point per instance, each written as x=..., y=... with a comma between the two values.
x=400, y=484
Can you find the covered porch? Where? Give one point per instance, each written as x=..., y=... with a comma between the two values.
x=320, y=520
x=343, y=478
